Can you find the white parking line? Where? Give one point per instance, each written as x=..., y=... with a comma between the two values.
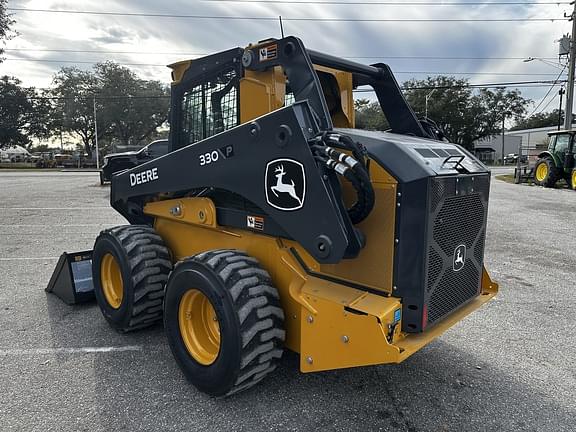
x=55, y=208
x=29, y=258
x=52, y=225
x=82, y=350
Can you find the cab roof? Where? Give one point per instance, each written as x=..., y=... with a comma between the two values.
x=562, y=132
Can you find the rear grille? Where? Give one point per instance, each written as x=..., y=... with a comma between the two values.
x=458, y=217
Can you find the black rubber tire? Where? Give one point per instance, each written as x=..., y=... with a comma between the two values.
x=249, y=314
x=145, y=265
x=554, y=173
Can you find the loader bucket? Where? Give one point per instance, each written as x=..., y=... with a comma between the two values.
x=72, y=278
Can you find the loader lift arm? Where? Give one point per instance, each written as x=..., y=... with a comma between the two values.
x=298, y=62
x=331, y=236
x=239, y=160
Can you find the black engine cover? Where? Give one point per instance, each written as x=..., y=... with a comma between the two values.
x=442, y=207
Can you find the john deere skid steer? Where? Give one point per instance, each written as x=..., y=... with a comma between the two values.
x=273, y=224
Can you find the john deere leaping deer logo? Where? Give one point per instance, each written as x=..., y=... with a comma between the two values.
x=285, y=184
x=459, y=258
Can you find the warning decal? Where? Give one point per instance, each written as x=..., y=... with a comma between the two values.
x=268, y=53
x=255, y=222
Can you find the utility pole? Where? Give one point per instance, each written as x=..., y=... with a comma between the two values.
x=281, y=26
x=503, y=129
x=561, y=93
x=570, y=88
x=96, y=136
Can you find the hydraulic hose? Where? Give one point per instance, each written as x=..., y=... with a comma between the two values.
x=353, y=171
x=346, y=143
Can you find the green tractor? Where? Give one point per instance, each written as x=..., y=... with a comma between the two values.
x=558, y=161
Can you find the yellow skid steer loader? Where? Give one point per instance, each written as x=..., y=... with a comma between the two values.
x=274, y=224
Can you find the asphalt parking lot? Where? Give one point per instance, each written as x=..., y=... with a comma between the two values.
x=511, y=366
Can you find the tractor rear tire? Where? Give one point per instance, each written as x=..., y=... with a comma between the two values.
x=223, y=321
x=546, y=173
x=130, y=267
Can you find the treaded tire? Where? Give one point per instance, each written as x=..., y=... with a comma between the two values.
x=250, y=318
x=554, y=174
x=144, y=263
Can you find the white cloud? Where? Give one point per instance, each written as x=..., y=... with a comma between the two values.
x=165, y=35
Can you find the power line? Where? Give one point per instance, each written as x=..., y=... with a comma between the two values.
x=92, y=51
x=384, y=56
x=549, y=102
x=471, y=85
x=396, y=72
x=549, y=90
x=488, y=85
x=473, y=73
x=82, y=62
x=392, y=3
x=304, y=19
x=526, y=84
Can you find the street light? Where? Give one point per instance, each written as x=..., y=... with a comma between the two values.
x=428, y=97
x=546, y=62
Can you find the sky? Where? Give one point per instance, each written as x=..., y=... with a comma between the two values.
x=144, y=42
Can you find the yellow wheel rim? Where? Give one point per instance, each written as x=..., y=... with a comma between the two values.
x=111, y=278
x=199, y=327
x=574, y=180
x=542, y=172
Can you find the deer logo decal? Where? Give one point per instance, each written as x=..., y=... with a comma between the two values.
x=285, y=184
x=459, y=258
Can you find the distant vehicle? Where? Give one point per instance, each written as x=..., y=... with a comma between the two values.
x=513, y=158
x=121, y=161
x=558, y=161
x=65, y=160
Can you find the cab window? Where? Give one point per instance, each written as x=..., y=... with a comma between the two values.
x=562, y=142
x=552, y=143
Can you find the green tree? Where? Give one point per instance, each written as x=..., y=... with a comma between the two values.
x=134, y=108
x=129, y=109
x=24, y=113
x=547, y=119
x=369, y=115
x=74, y=90
x=464, y=114
x=6, y=23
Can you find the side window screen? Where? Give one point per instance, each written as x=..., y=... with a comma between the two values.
x=210, y=108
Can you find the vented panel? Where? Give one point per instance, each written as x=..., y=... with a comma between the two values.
x=458, y=209
x=459, y=221
x=435, y=266
x=453, y=290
